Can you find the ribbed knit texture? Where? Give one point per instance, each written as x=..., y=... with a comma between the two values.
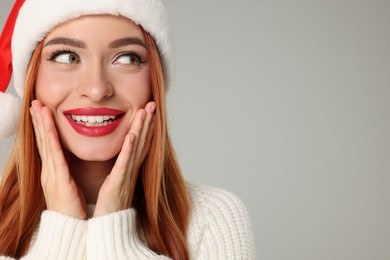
x=219, y=225
x=114, y=237
x=219, y=228
x=59, y=237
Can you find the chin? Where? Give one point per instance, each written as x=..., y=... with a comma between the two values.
x=94, y=158
x=93, y=149
x=92, y=153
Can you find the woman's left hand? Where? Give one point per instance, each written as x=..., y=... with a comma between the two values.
x=116, y=192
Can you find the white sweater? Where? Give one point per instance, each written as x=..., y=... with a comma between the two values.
x=219, y=228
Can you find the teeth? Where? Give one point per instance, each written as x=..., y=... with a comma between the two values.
x=99, y=119
x=93, y=120
x=97, y=124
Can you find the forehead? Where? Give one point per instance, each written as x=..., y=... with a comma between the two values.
x=96, y=27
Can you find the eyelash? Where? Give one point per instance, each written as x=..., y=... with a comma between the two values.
x=57, y=53
x=129, y=53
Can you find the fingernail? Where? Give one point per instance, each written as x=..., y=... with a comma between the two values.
x=132, y=137
x=152, y=108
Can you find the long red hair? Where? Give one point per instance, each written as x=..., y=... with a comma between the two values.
x=160, y=198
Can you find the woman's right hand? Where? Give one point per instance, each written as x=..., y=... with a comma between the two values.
x=60, y=190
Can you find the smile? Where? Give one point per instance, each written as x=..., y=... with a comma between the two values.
x=94, y=122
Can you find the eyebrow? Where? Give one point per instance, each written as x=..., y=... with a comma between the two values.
x=67, y=41
x=126, y=41
x=80, y=44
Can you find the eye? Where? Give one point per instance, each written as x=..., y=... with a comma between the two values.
x=128, y=58
x=66, y=57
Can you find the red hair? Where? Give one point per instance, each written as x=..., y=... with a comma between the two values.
x=160, y=198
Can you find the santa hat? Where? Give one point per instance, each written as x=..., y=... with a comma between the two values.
x=31, y=20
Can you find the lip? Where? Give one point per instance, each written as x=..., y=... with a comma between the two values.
x=94, y=131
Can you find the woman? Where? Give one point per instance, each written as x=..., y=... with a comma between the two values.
x=92, y=173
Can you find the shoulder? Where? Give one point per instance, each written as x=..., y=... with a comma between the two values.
x=212, y=200
x=219, y=219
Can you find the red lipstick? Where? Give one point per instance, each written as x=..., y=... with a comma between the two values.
x=94, y=122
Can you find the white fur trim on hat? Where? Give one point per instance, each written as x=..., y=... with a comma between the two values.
x=8, y=114
x=38, y=17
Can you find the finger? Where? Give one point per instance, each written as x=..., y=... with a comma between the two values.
x=124, y=156
x=49, y=159
x=118, y=173
x=136, y=129
x=39, y=128
x=149, y=139
x=56, y=156
x=146, y=135
x=36, y=131
x=39, y=131
x=124, y=163
x=39, y=143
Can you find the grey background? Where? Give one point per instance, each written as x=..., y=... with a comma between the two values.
x=286, y=103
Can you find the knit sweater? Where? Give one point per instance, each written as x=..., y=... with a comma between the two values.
x=219, y=228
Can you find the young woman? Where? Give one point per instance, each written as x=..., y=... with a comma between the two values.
x=92, y=173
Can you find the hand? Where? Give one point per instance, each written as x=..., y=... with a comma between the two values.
x=117, y=190
x=60, y=190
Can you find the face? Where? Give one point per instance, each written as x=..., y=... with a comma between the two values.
x=94, y=76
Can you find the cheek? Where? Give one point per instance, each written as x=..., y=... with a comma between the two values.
x=136, y=90
x=50, y=88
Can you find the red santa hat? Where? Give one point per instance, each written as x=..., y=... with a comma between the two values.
x=31, y=20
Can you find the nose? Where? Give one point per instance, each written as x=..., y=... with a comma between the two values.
x=95, y=84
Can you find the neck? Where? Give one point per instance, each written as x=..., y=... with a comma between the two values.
x=90, y=175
